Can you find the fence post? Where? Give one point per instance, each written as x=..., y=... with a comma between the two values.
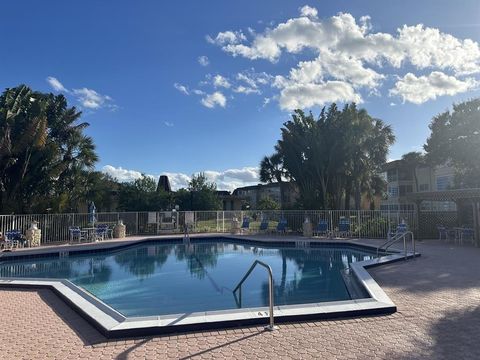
x=223, y=221
x=358, y=224
x=136, y=223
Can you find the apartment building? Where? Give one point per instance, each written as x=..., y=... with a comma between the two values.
x=401, y=182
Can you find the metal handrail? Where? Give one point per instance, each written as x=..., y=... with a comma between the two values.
x=396, y=238
x=271, y=326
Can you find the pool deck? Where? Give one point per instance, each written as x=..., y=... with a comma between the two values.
x=438, y=317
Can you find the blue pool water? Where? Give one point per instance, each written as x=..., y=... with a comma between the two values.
x=158, y=278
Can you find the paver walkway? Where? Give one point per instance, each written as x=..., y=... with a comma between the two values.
x=437, y=295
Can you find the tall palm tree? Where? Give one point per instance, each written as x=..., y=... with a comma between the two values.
x=411, y=161
x=43, y=150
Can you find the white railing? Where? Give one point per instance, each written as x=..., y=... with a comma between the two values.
x=363, y=223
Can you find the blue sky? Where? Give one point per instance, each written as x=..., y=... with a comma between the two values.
x=187, y=86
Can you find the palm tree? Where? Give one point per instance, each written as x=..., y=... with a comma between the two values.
x=271, y=170
x=411, y=162
x=43, y=151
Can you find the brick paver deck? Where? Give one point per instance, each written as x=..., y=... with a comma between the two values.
x=438, y=299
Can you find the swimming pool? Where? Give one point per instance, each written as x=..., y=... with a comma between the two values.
x=172, y=277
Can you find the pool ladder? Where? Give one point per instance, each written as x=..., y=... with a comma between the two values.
x=271, y=326
x=396, y=238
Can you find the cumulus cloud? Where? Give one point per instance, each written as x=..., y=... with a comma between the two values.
x=203, y=60
x=182, y=88
x=308, y=11
x=227, y=37
x=228, y=179
x=295, y=96
x=56, y=84
x=423, y=88
x=168, y=124
x=214, y=99
x=122, y=174
x=421, y=46
x=220, y=81
x=350, y=59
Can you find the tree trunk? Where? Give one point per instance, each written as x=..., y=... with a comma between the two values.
x=358, y=197
x=348, y=194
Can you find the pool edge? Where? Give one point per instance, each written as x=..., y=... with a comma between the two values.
x=114, y=325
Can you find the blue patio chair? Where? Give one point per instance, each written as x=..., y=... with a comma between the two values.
x=101, y=232
x=467, y=234
x=77, y=234
x=322, y=228
x=282, y=226
x=263, y=225
x=343, y=227
x=14, y=239
x=245, y=224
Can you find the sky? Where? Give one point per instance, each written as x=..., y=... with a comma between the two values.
x=180, y=87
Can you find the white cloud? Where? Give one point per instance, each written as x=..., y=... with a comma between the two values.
x=88, y=98
x=227, y=37
x=121, y=174
x=246, y=90
x=228, y=179
x=347, y=60
x=421, y=46
x=203, y=60
x=308, y=11
x=214, y=99
x=423, y=88
x=220, y=81
x=91, y=99
x=168, y=124
x=295, y=96
x=56, y=84
x=182, y=88
x=177, y=180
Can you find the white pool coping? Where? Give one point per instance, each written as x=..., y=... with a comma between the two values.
x=113, y=324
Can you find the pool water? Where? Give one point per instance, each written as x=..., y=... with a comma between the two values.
x=158, y=278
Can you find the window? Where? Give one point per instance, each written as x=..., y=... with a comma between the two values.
x=392, y=175
x=392, y=191
x=443, y=182
x=423, y=187
x=405, y=189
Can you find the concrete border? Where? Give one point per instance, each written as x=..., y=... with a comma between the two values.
x=112, y=324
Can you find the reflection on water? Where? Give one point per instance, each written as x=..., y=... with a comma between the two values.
x=159, y=278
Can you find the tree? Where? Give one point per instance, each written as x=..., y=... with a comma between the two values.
x=267, y=203
x=455, y=140
x=271, y=170
x=200, y=195
x=332, y=157
x=411, y=162
x=142, y=195
x=43, y=150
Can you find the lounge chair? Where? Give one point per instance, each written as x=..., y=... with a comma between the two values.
x=101, y=232
x=14, y=239
x=263, y=226
x=322, y=228
x=343, y=228
x=282, y=226
x=245, y=224
x=467, y=234
x=77, y=234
